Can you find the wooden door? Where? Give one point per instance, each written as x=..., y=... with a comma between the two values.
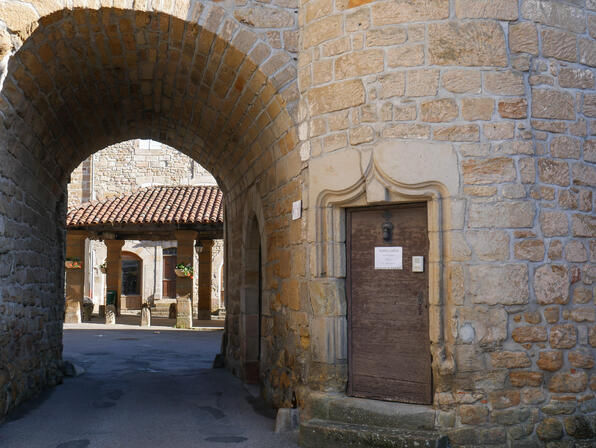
x=169, y=276
x=389, y=346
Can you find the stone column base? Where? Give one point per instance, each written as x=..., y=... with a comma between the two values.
x=73, y=312
x=145, y=316
x=183, y=313
x=204, y=314
x=110, y=315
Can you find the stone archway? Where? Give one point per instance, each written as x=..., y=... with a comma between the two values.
x=194, y=78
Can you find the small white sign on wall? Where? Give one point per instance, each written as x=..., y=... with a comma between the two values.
x=389, y=257
x=296, y=210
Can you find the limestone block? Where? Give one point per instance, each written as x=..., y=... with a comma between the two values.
x=259, y=16
x=554, y=13
x=488, y=171
x=559, y=44
x=576, y=78
x=553, y=172
x=440, y=110
x=504, y=83
x=583, y=174
x=589, y=107
x=502, y=214
x=407, y=131
x=583, y=225
x=386, y=37
x=565, y=147
x=322, y=30
x=405, y=56
x=587, y=52
x=563, y=336
x=553, y=223
x=492, y=284
x=523, y=38
x=523, y=378
x=337, y=96
x=392, y=84
x=487, y=9
x=110, y=315
x=575, y=252
x=414, y=162
x=489, y=245
x=329, y=339
x=359, y=63
x=550, y=360
x=564, y=382
x=551, y=284
x=462, y=81
x=473, y=414
x=422, y=82
x=581, y=359
x=510, y=360
x=513, y=109
x=549, y=429
x=531, y=249
x=467, y=44
x=477, y=108
x=457, y=133
x=548, y=103
x=529, y=334
x=504, y=399
x=404, y=11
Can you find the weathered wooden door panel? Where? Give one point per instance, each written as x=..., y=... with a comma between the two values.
x=169, y=277
x=389, y=346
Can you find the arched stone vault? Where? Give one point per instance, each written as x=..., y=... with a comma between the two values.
x=117, y=74
x=190, y=75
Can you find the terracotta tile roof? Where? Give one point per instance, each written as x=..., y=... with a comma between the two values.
x=153, y=205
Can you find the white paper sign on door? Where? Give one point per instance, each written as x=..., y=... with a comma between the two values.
x=389, y=257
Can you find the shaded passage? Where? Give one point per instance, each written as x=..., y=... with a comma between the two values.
x=144, y=389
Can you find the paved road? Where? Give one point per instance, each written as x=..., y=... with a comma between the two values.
x=145, y=389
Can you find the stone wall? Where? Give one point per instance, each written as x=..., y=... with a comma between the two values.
x=484, y=109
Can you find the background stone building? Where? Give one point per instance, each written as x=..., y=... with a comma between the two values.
x=125, y=168
x=480, y=112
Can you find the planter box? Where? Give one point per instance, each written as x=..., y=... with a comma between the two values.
x=73, y=264
x=182, y=274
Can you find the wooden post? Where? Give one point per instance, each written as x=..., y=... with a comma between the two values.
x=205, y=262
x=184, y=285
x=75, y=277
x=114, y=269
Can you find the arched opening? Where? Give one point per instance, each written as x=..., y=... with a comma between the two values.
x=252, y=298
x=132, y=279
x=85, y=79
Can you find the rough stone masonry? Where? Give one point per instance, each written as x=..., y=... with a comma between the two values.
x=485, y=109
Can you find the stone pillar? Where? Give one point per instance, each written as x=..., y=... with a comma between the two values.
x=114, y=271
x=204, y=309
x=75, y=278
x=186, y=244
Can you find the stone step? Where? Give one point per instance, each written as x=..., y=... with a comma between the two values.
x=318, y=433
x=362, y=411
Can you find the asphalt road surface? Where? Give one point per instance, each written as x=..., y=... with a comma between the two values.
x=144, y=388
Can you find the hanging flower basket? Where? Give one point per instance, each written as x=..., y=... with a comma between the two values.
x=184, y=270
x=73, y=263
x=103, y=267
